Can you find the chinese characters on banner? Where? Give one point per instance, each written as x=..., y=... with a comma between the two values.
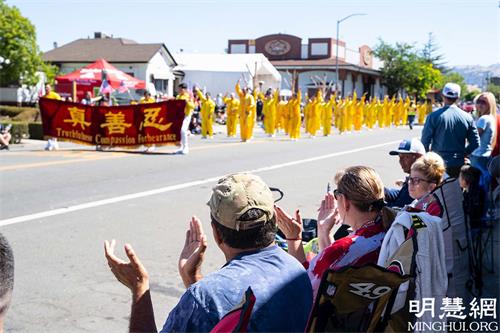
x=119, y=126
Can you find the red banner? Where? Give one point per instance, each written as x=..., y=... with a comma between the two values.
x=124, y=125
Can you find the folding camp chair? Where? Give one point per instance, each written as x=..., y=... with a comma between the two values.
x=347, y=296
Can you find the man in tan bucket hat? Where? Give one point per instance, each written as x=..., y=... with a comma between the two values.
x=244, y=227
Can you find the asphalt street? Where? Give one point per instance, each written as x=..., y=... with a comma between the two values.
x=58, y=207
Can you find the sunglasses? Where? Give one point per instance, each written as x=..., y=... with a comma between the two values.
x=337, y=194
x=417, y=180
x=481, y=101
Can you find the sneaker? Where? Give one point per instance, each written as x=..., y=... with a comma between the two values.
x=150, y=149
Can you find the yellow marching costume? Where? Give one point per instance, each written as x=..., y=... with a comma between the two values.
x=358, y=113
x=307, y=114
x=295, y=118
x=188, y=111
x=247, y=112
x=207, y=114
x=269, y=111
x=327, y=115
x=406, y=109
x=232, y=106
x=314, y=117
x=281, y=116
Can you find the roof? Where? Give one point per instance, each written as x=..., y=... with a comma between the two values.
x=226, y=63
x=329, y=63
x=308, y=62
x=114, y=50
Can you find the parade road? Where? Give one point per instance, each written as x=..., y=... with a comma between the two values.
x=57, y=208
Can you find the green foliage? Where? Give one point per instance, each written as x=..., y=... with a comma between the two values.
x=14, y=111
x=470, y=95
x=35, y=131
x=495, y=90
x=18, y=45
x=19, y=130
x=429, y=54
x=405, y=69
x=24, y=129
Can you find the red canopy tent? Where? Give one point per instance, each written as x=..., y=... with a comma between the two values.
x=90, y=76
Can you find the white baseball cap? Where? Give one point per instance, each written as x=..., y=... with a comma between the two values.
x=413, y=146
x=451, y=90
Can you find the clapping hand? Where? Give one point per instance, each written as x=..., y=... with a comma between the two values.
x=193, y=252
x=328, y=217
x=291, y=227
x=132, y=274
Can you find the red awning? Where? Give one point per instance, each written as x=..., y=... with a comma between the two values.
x=91, y=75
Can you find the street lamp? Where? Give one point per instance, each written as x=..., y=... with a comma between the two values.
x=337, y=49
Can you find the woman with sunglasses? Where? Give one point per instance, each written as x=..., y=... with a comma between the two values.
x=358, y=202
x=486, y=126
x=426, y=174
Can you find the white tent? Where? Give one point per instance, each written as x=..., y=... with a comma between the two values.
x=218, y=73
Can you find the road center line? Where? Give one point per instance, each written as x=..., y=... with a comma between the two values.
x=92, y=204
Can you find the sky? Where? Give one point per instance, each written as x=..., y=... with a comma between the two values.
x=466, y=32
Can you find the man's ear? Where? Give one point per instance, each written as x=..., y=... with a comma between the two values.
x=217, y=237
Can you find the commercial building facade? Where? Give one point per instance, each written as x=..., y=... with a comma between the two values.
x=312, y=65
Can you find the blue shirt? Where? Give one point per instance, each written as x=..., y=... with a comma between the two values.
x=446, y=131
x=398, y=197
x=487, y=124
x=280, y=283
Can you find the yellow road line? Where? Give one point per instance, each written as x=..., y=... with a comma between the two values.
x=51, y=163
x=93, y=156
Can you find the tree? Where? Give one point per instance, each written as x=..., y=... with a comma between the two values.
x=429, y=54
x=397, y=61
x=405, y=69
x=422, y=78
x=495, y=90
x=22, y=58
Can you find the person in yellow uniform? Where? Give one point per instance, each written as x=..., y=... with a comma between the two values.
x=232, y=106
x=406, y=109
x=280, y=114
x=397, y=111
x=269, y=111
x=336, y=112
x=286, y=115
x=381, y=112
x=412, y=112
x=147, y=98
x=307, y=114
x=348, y=113
x=295, y=119
x=351, y=106
x=247, y=112
x=327, y=116
x=188, y=112
x=371, y=111
x=207, y=114
x=341, y=114
x=389, y=112
x=49, y=93
x=317, y=111
x=358, y=113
